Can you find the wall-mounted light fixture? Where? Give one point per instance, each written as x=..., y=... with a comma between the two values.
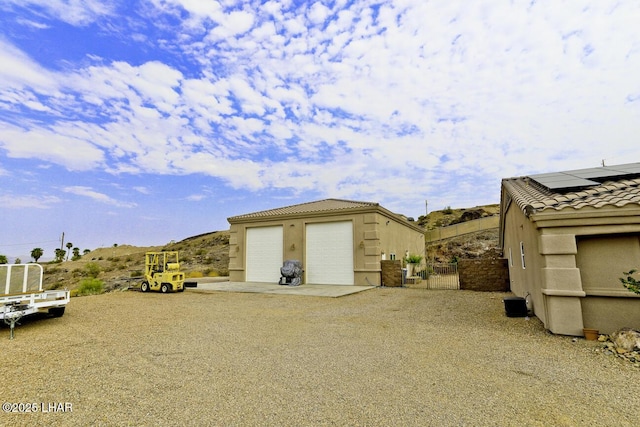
x=361, y=244
x=293, y=247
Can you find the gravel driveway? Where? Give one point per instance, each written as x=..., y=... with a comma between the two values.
x=383, y=357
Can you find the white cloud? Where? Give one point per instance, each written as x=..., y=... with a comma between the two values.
x=19, y=71
x=58, y=145
x=74, y=12
x=14, y=201
x=196, y=197
x=142, y=190
x=84, y=191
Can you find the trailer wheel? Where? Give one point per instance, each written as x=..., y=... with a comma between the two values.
x=164, y=288
x=144, y=287
x=56, y=311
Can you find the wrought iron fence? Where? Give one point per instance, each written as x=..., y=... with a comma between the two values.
x=441, y=276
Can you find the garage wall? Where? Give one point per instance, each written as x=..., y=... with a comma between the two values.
x=396, y=239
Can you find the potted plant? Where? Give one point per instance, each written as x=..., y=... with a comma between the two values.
x=412, y=261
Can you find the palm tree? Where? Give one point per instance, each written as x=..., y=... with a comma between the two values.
x=60, y=255
x=69, y=245
x=76, y=254
x=36, y=253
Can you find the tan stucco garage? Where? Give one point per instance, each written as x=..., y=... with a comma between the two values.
x=339, y=242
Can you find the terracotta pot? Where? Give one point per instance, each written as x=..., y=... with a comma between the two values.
x=590, y=334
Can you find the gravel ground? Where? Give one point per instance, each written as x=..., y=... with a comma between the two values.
x=384, y=357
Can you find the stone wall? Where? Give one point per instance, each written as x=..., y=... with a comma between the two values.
x=489, y=273
x=391, y=273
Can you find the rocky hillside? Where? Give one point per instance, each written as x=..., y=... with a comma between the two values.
x=449, y=216
x=121, y=266
x=473, y=245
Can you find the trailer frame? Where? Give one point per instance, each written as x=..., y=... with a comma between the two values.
x=22, y=294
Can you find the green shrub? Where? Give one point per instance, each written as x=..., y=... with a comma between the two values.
x=92, y=269
x=91, y=286
x=413, y=259
x=630, y=283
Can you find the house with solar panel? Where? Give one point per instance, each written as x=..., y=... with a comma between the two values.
x=569, y=237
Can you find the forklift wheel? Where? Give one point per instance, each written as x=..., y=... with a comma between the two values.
x=144, y=287
x=164, y=288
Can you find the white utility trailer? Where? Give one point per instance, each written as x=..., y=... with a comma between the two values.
x=21, y=294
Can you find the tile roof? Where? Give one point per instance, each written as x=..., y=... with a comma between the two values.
x=532, y=196
x=326, y=205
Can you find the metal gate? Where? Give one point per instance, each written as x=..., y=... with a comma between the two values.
x=441, y=276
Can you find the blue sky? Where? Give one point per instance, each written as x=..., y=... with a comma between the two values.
x=140, y=122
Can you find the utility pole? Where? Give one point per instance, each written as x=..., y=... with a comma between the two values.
x=426, y=207
x=62, y=241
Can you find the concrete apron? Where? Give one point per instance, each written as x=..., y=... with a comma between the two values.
x=221, y=285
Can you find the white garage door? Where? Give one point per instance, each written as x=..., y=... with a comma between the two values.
x=264, y=254
x=329, y=251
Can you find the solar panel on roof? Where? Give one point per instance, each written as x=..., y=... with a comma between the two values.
x=582, y=178
x=597, y=173
x=561, y=181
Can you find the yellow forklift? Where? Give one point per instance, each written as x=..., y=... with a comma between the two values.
x=162, y=272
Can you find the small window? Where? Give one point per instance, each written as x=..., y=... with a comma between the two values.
x=392, y=256
x=522, y=255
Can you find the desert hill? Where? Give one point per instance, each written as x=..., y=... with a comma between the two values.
x=121, y=266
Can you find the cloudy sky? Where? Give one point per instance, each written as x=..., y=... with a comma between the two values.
x=144, y=121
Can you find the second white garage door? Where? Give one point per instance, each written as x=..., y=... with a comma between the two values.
x=264, y=254
x=329, y=253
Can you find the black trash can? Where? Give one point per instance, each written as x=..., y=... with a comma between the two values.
x=515, y=307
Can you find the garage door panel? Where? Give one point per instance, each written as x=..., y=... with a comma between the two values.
x=264, y=254
x=329, y=253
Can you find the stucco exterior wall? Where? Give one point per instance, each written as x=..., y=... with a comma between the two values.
x=528, y=279
x=608, y=306
x=396, y=238
x=373, y=234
